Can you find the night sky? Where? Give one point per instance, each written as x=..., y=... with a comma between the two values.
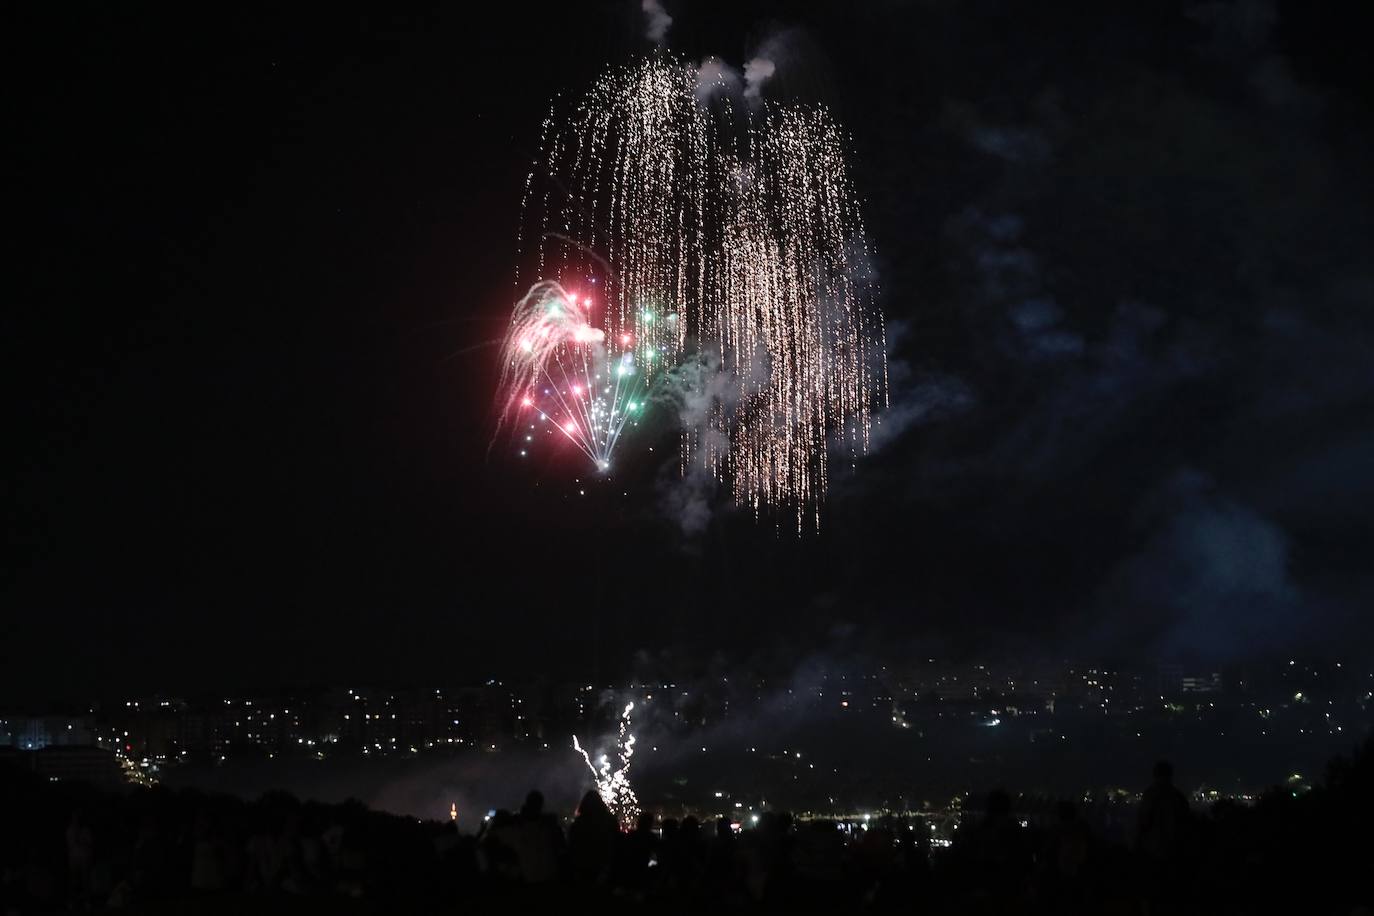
x=1126, y=257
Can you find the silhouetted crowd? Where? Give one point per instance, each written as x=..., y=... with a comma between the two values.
x=65, y=846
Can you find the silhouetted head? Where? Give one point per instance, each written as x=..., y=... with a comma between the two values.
x=775, y=822
x=645, y=824
x=1164, y=773
x=999, y=803
x=592, y=805
x=723, y=827
x=534, y=804
x=1066, y=812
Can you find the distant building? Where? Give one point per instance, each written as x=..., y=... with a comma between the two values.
x=33, y=733
x=1208, y=683
x=94, y=765
x=1170, y=680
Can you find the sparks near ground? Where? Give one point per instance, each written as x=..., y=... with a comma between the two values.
x=723, y=234
x=613, y=784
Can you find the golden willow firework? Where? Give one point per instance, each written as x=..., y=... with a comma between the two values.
x=725, y=236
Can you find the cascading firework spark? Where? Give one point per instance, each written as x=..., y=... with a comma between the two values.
x=613, y=785
x=717, y=230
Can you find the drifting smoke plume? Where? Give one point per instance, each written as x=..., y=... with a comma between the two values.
x=657, y=21
x=695, y=391
x=915, y=397
x=716, y=77
x=757, y=72
x=1213, y=578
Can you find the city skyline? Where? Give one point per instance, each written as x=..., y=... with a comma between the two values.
x=824, y=740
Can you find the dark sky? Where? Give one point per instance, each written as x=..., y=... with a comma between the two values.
x=1125, y=252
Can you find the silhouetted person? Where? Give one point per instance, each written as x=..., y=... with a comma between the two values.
x=207, y=865
x=996, y=850
x=265, y=864
x=690, y=855
x=498, y=845
x=80, y=858
x=635, y=850
x=149, y=866
x=536, y=840
x=722, y=860
x=669, y=849
x=295, y=878
x=917, y=850
x=1162, y=826
x=1064, y=858
x=770, y=862
x=1163, y=817
x=591, y=839
x=877, y=850
x=910, y=874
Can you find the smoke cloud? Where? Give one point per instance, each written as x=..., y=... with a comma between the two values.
x=1212, y=578
x=920, y=401
x=716, y=77
x=914, y=397
x=656, y=21
x=757, y=72
x=687, y=498
x=695, y=390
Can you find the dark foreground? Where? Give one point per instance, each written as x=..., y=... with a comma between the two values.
x=64, y=846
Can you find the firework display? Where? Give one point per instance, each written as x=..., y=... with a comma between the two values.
x=715, y=234
x=613, y=784
x=563, y=377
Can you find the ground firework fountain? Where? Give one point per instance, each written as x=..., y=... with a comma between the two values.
x=613, y=782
